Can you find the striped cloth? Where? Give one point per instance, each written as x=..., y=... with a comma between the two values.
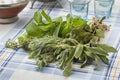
x=15, y=65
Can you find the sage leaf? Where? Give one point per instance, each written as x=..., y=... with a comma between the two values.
x=104, y=59
x=97, y=60
x=90, y=54
x=70, y=57
x=63, y=59
x=67, y=71
x=85, y=62
x=107, y=48
x=97, y=51
x=78, y=51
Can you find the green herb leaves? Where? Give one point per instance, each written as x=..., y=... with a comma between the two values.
x=106, y=48
x=68, y=69
x=78, y=51
x=38, y=17
x=33, y=30
x=65, y=42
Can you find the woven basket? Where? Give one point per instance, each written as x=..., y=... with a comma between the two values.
x=46, y=0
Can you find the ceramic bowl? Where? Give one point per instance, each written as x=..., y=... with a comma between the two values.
x=9, y=10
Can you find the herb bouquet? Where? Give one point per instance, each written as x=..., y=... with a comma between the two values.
x=64, y=42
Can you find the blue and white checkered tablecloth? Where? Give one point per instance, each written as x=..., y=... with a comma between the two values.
x=15, y=65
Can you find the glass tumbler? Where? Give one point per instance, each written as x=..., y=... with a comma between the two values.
x=103, y=8
x=79, y=8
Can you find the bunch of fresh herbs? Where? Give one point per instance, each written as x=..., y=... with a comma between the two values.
x=64, y=41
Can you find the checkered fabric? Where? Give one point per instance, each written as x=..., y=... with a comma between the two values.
x=15, y=65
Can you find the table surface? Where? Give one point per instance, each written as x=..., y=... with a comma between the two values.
x=15, y=65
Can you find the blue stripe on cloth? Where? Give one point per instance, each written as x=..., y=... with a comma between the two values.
x=110, y=67
x=6, y=74
x=6, y=60
x=119, y=75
